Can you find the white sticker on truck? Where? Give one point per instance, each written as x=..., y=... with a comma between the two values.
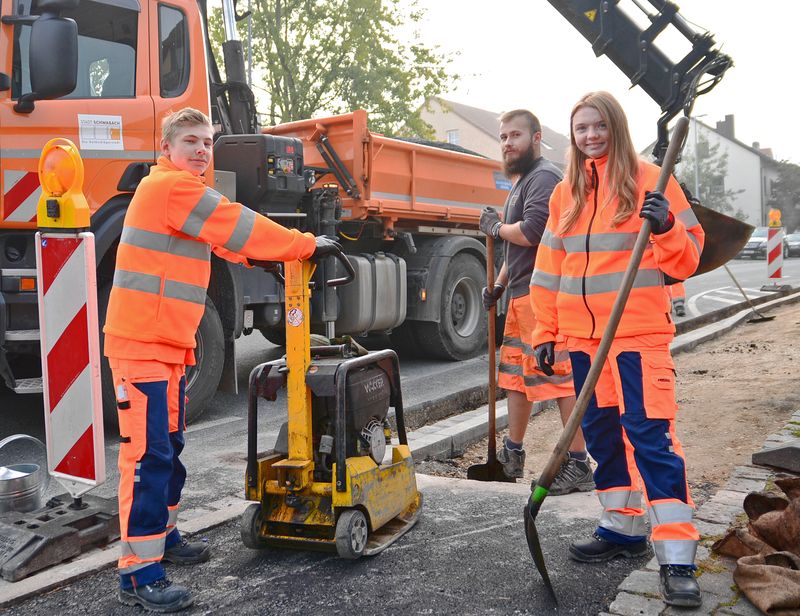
x=100, y=132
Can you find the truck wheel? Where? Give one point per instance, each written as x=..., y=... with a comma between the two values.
x=202, y=379
x=461, y=330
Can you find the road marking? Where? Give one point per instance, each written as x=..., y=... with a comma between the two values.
x=750, y=293
x=210, y=424
x=723, y=300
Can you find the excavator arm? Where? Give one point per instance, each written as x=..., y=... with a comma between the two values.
x=674, y=85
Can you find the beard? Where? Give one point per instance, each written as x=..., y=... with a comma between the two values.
x=521, y=164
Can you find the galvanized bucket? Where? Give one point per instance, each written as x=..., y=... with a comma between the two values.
x=23, y=485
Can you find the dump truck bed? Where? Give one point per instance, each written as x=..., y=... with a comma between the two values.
x=403, y=182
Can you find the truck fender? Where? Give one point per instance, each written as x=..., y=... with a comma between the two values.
x=426, y=270
x=107, y=227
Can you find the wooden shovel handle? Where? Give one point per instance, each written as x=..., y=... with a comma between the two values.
x=492, y=453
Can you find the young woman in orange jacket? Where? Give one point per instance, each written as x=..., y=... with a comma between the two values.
x=595, y=215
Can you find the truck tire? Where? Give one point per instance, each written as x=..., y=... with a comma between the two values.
x=461, y=330
x=201, y=380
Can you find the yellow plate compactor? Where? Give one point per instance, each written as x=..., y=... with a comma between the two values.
x=339, y=484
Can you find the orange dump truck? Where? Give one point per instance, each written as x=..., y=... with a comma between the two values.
x=104, y=73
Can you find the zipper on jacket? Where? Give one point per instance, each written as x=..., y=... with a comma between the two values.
x=595, y=186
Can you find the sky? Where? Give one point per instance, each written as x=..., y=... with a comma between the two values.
x=523, y=53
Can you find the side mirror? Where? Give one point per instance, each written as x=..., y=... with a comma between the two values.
x=53, y=58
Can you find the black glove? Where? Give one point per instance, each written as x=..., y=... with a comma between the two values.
x=490, y=222
x=545, y=355
x=656, y=210
x=490, y=297
x=326, y=246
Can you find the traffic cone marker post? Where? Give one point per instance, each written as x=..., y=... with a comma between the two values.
x=775, y=253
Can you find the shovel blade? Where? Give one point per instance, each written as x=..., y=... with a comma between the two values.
x=488, y=472
x=532, y=537
x=725, y=237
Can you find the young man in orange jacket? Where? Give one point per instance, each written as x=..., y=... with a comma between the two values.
x=173, y=224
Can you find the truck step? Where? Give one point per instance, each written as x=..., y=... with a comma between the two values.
x=29, y=386
x=22, y=335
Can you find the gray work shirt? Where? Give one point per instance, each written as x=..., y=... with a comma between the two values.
x=528, y=202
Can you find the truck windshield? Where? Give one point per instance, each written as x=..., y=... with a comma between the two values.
x=106, y=51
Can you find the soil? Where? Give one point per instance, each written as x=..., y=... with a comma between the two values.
x=732, y=393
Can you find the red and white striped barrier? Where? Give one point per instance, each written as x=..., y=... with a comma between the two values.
x=775, y=252
x=67, y=288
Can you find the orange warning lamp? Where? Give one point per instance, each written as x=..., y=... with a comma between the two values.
x=774, y=218
x=62, y=204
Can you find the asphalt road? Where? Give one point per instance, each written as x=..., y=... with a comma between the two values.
x=467, y=556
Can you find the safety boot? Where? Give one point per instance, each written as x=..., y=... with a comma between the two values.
x=679, y=586
x=680, y=307
x=513, y=460
x=159, y=596
x=187, y=553
x=573, y=476
x=597, y=549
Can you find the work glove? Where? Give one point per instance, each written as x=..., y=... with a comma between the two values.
x=656, y=210
x=490, y=297
x=490, y=222
x=326, y=246
x=545, y=355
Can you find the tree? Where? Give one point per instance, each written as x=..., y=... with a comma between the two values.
x=333, y=56
x=785, y=194
x=712, y=170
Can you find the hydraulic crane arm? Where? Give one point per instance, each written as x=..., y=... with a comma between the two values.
x=673, y=85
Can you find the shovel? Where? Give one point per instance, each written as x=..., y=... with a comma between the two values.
x=759, y=318
x=542, y=486
x=492, y=470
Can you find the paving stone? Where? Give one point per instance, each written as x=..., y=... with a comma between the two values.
x=785, y=457
x=710, y=529
x=752, y=472
x=745, y=486
x=465, y=438
x=652, y=564
x=742, y=607
x=641, y=583
x=627, y=604
x=717, y=584
x=708, y=606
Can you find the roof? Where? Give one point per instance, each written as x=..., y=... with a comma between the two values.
x=555, y=144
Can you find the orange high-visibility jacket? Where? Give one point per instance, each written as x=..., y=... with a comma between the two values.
x=578, y=274
x=173, y=223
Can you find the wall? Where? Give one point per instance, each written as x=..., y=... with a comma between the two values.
x=470, y=137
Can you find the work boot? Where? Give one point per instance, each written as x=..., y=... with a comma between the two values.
x=680, y=309
x=597, y=549
x=159, y=596
x=187, y=553
x=513, y=460
x=573, y=476
x=679, y=586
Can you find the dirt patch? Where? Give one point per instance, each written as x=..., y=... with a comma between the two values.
x=732, y=392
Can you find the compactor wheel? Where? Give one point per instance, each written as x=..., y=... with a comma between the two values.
x=252, y=519
x=352, y=532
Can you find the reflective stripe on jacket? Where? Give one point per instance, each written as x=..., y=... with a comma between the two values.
x=163, y=261
x=578, y=274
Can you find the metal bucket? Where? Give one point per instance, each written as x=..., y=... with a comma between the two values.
x=23, y=485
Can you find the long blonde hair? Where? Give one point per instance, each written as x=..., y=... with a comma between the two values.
x=622, y=167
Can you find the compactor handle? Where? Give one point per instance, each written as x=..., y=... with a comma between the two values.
x=351, y=272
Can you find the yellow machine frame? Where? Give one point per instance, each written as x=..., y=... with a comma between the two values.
x=360, y=511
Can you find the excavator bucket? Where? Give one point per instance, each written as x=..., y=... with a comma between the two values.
x=725, y=237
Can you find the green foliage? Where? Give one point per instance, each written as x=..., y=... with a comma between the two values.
x=324, y=57
x=786, y=194
x=712, y=169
